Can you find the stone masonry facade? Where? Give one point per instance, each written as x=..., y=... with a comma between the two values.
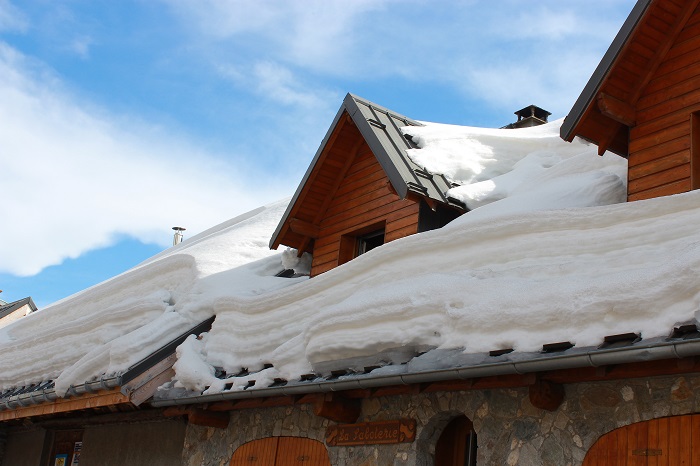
x=510, y=431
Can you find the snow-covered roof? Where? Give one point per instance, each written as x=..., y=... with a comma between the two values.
x=548, y=254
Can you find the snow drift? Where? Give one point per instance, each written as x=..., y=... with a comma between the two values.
x=507, y=274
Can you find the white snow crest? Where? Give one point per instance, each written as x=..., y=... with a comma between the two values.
x=110, y=327
x=526, y=169
x=478, y=284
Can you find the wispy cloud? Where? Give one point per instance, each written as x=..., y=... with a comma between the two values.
x=81, y=46
x=76, y=176
x=279, y=84
x=500, y=53
x=11, y=18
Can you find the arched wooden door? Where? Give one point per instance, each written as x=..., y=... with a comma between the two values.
x=281, y=451
x=667, y=441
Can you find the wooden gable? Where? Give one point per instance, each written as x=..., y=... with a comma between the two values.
x=364, y=201
x=361, y=181
x=640, y=102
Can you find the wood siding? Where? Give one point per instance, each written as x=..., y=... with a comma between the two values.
x=660, y=144
x=669, y=441
x=364, y=198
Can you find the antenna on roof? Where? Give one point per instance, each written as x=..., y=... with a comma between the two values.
x=178, y=236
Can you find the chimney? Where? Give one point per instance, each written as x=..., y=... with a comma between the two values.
x=531, y=115
x=177, y=237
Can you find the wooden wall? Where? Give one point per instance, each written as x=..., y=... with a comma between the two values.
x=363, y=199
x=660, y=143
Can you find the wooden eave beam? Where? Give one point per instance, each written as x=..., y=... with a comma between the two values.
x=207, y=418
x=337, y=408
x=87, y=401
x=620, y=111
x=608, y=136
x=304, y=228
x=199, y=416
x=546, y=395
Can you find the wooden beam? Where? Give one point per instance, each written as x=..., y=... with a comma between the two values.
x=204, y=417
x=304, y=228
x=654, y=63
x=337, y=408
x=61, y=405
x=620, y=111
x=607, y=136
x=146, y=391
x=81, y=419
x=546, y=395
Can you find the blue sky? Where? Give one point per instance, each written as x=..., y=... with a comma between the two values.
x=119, y=120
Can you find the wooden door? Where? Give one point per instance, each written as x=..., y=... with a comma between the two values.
x=457, y=444
x=281, y=451
x=668, y=441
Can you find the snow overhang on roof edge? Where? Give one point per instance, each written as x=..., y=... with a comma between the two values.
x=575, y=360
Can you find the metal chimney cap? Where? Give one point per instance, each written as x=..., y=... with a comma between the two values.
x=179, y=228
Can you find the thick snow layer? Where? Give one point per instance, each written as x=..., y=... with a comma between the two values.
x=533, y=168
x=504, y=275
x=109, y=327
x=517, y=281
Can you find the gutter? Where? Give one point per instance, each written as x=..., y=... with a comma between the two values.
x=590, y=358
x=39, y=395
x=49, y=394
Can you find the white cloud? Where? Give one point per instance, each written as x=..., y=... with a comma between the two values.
x=308, y=34
x=81, y=46
x=11, y=18
x=74, y=176
x=279, y=84
x=501, y=53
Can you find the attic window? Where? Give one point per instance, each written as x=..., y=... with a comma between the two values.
x=361, y=241
x=366, y=243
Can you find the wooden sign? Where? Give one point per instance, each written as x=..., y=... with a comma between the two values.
x=368, y=433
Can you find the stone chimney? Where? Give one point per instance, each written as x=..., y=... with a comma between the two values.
x=531, y=115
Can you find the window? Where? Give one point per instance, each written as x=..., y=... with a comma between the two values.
x=360, y=241
x=366, y=243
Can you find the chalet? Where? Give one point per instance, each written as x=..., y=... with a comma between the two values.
x=362, y=190
x=9, y=312
x=643, y=100
x=630, y=398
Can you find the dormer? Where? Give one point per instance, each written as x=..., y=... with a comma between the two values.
x=643, y=100
x=362, y=190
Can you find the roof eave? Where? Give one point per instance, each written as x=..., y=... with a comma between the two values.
x=583, y=103
x=593, y=358
x=274, y=240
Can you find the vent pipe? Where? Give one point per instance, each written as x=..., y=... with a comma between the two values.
x=178, y=236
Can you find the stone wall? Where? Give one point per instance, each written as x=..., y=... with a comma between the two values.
x=509, y=429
